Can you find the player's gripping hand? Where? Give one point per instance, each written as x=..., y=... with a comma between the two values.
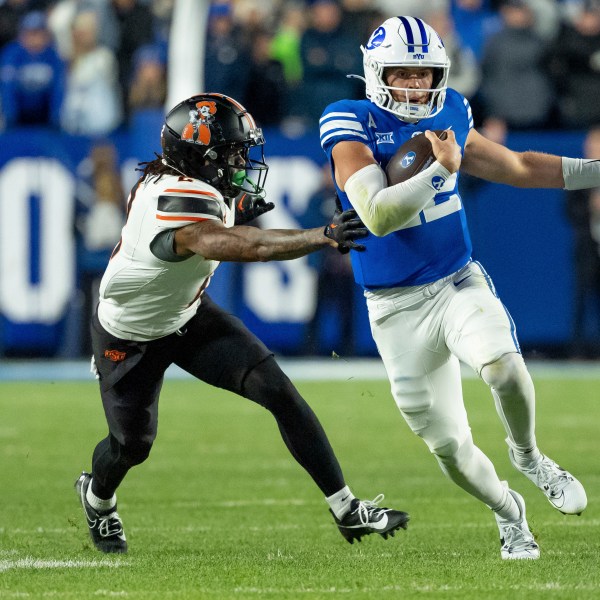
x=447, y=151
x=248, y=206
x=345, y=227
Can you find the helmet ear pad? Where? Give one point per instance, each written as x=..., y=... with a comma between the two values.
x=182, y=155
x=196, y=162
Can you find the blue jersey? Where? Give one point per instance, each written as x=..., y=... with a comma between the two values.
x=434, y=244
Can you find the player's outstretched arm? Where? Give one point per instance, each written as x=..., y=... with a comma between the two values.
x=494, y=162
x=212, y=240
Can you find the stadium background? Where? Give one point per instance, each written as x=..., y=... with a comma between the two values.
x=48, y=277
x=218, y=457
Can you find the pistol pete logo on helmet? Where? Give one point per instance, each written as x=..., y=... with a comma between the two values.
x=197, y=130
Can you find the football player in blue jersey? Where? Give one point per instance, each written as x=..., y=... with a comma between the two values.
x=430, y=305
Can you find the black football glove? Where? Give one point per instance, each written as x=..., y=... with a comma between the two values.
x=345, y=227
x=248, y=206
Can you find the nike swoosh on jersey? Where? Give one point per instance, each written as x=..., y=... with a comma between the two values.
x=457, y=283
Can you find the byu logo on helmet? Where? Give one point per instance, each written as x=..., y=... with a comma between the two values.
x=406, y=42
x=438, y=182
x=377, y=38
x=408, y=159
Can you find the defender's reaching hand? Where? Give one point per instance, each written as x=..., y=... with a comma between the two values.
x=345, y=227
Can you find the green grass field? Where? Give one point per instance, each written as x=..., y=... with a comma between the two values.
x=220, y=510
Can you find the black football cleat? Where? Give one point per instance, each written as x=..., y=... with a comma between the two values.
x=366, y=517
x=106, y=528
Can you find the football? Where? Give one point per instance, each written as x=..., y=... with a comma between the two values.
x=415, y=155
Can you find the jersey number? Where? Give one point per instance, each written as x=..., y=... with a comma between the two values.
x=433, y=211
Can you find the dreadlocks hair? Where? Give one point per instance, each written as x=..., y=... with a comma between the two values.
x=155, y=168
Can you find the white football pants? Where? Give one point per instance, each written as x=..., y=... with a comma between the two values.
x=421, y=334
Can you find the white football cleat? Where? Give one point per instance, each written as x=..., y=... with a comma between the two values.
x=516, y=541
x=563, y=491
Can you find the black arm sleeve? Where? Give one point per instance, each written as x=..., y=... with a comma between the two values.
x=163, y=246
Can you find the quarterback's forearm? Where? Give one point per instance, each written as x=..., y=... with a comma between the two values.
x=250, y=244
x=385, y=209
x=538, y=170
x=494, y=162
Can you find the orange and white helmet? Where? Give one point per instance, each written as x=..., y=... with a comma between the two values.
x=209, y=137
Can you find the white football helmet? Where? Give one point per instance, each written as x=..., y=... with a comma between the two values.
x=405, y=42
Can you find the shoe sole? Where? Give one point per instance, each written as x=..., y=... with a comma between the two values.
x=568, y=514
x=525, y=557
x=357, y=534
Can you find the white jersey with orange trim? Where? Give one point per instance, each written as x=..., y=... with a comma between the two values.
x=141, y=296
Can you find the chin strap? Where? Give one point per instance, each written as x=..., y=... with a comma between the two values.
x=165, y=162
x=354, y=76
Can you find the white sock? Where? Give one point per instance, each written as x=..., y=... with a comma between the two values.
x=514, y=396
x=526, y=458
x=508, y=508
x=99, y=504
x=340, y=502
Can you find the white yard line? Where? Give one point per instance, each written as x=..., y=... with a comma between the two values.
x=29, y=562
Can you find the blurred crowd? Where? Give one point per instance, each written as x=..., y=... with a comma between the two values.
x=86, y=66
x=90, y=67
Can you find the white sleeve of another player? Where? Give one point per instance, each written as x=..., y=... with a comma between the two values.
x=580, y=173
x=385, y=209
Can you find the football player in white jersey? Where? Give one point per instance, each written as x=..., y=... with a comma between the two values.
x=430, y=305
x=183, y=218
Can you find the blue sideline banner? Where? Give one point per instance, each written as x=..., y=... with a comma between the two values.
x=520, y=236
x=41, y=262
x=37, y=243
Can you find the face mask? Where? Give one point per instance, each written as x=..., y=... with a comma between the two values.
x=242, y=181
